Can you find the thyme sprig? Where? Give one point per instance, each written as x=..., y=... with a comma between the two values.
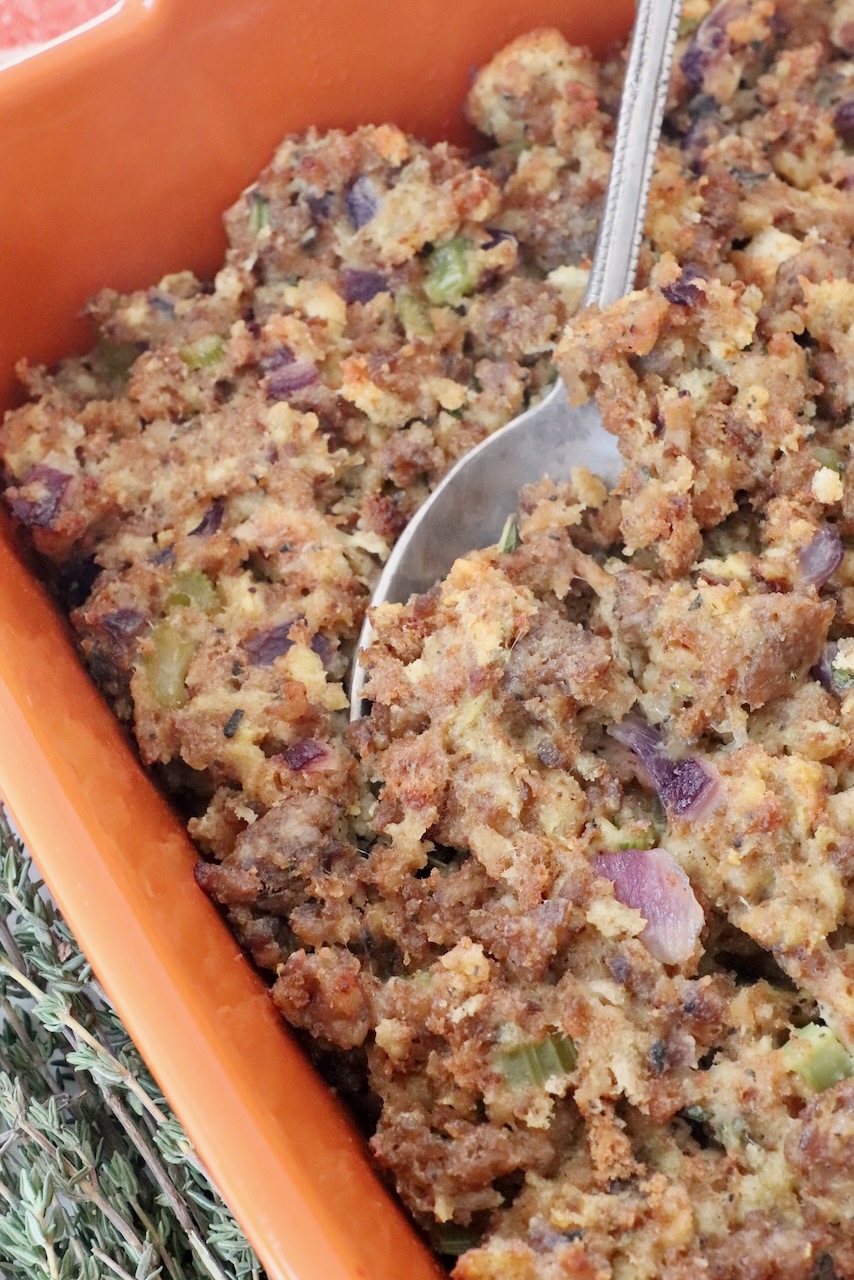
x=97, y=1177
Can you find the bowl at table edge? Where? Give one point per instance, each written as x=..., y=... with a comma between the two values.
x=119, y=148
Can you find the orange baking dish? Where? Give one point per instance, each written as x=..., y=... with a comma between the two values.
x=119, y=148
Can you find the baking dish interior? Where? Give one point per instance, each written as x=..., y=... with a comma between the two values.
x=119, y=149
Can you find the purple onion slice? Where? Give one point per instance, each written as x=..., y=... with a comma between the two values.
x=122, y=624
x=166, y=555
x=303, y=754
x=322, y=646
x=39, y=512
x=838, y=680
x=290, y=378
x=685, y=292
x=276, y=358
x=823, y=669
x=820, y=559
x=266, y=646
x=710, y=41
x=649, y=881
x=496, y=235
x=684, y=787
x=362, y=201
x=210, y=521
x=361, y=286
x=843, y=120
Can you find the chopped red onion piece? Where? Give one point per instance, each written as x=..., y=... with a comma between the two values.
x=820, y=559
x=41, y=511
x=266, y=646
x=322, y=646
x=303, y=754
x=843, y=120
x=122, y=624
x=496, y=235
x=211, y=520
x=166, y=555
x=649, y=881
x=361, y=286
x=276, y=358
x=635, y=733
x=688, y=790
x=823, y=669
x=838, y=680
x=362, y=201
x=697, y=138
x=710, y=41
x=684, y=292
x=684, y=787
x=290, y=378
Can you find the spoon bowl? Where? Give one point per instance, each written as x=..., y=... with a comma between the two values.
x=469, y=508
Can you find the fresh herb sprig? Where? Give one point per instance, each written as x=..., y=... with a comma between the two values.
x=97, y=1177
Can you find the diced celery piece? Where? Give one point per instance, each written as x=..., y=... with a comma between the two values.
x=259, y=213
x=828, y=458
x=168, y=664
x=453, y=1240
x=451, y=273
x=412, y=314
x=537, y=1063
x=616, y=839
x=817, y=1056
x=117, y=357
x=192, y=587
x=510, y=539
x=204, y=352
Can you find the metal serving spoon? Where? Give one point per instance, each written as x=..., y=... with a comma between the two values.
x=469, y=508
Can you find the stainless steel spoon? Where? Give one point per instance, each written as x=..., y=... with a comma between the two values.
x=468, y=509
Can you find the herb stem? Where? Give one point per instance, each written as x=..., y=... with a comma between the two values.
x=156, y=1239
x=164, y=1182
x=96, y=1176
x=113, y=1265
x=50, y=1253
x=79, y=1032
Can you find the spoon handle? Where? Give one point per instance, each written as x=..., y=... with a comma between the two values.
x=615, y=261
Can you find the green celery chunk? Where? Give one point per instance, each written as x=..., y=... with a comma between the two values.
x=412, y=314
x=453, y=1240
x=192, y=587
x=828, y=458
x=815, y=1054
x=537, y=1063
x=204, y=352
x=616, y=839
x=117, y=357
x=451, y=273
x=510, y=539
x=168, y=665
x=259, y=213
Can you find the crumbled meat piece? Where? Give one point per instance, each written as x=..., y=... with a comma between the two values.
x=456, y=893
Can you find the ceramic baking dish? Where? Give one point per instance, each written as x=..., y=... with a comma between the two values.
x=119, y=148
